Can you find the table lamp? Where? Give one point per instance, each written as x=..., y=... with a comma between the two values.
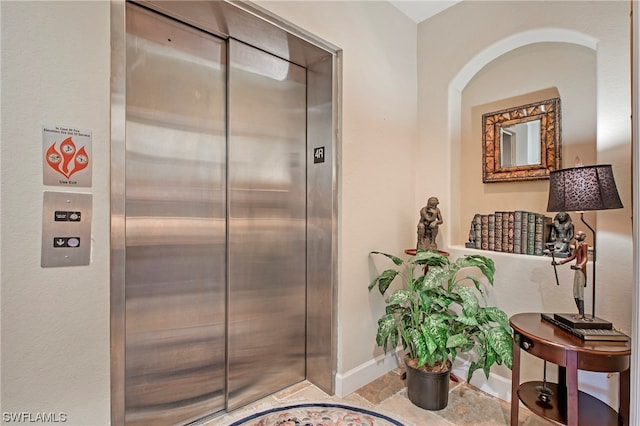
x=581, y=189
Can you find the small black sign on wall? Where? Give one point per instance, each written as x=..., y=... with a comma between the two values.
x=318, y=155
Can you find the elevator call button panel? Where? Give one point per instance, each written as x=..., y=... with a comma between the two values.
x=66, y=229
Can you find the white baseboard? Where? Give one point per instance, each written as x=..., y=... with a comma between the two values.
x=495, y=385
x=354, y=379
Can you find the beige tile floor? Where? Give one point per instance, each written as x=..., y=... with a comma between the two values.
x=388, y=395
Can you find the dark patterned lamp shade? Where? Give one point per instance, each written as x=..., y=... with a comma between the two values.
x=582, y=189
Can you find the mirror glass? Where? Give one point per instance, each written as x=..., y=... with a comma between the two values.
x=521, y=143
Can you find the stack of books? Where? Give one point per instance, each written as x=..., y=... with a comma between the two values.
x=589, y=331
x=518, y=232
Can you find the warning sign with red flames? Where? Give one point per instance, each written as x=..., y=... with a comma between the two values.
x=67, y=156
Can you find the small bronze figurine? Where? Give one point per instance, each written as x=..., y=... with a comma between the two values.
x=472, y=234
x=430, y=220
x=561, y=234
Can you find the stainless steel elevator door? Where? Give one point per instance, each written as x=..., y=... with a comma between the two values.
x=267, y=224
x=175, y=273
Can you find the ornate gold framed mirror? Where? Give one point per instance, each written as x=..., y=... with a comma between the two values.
x=521, y=143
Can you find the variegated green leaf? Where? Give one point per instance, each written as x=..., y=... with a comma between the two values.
x=428, y=257
x=489, y=360
x=472, y=368
x=439, y=331
x=384, y=280
x=470, y=303
x=417, y=342
x=435, y=278
x=418, y=283
x=485, y=264
x=393, y=339
x=456, y=340
x=401, y=297
x=499, y=316
x=466, y=320
x=431, y=344
x=386, y=326
x=395, y=259
x=476, y=283
x=501, y=342
x=442, y=301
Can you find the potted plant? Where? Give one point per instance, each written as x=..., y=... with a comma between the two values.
x=436, y=316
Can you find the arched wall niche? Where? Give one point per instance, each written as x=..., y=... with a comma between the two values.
x=458, y=231
x=499, y=48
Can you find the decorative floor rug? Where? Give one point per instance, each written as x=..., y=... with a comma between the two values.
x=321, y=414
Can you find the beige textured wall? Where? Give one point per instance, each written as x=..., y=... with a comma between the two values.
x=55, y=321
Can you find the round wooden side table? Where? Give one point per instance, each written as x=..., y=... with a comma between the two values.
x=567, y=405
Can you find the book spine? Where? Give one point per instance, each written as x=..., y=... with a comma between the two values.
x=505, y=232
x=484, y=231
x=510, y=233
x=531, y=231
x=524, y=233
x=539, y=235
x=492, y=232
x=517, y=231
x=498, y=235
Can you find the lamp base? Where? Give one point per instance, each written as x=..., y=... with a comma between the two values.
x=574, y=321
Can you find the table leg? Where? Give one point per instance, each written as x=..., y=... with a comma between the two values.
x=515, y=380
x=572, y=388
x=562, y=391
x=623, y=395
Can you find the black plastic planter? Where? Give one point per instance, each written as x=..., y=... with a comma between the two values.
x=427, y=389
